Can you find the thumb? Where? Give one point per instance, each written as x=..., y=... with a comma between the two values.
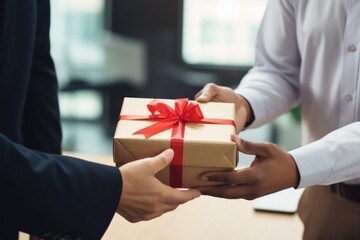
x=207, y=93
x=249, y=147
x=162, y=160
x=203, y=97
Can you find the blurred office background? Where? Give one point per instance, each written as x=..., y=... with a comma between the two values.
x=105, y=50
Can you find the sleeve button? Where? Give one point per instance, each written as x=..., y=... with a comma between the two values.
x=352, y=48
x=348, y=98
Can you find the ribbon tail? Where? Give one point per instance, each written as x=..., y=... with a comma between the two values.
x=177, y=144
x=218, y=121
x=156, y=128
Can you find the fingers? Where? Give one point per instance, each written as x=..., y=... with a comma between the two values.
x=190, y=194
x=252, y=148
x=143, y=196
x=248, y=147
x=229, y=192
x=237, y=184
x=170, y=201
x=235, y=139
x=207, y=93
x=243, y=176
x=162, y=160
x=172, y=196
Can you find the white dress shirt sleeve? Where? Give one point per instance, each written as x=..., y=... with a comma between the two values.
x=339, y=154
x=272, y=86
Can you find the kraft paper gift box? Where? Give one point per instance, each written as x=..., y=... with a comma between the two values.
x=201, y=139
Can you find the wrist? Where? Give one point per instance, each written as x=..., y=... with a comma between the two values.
x=298, y=177
x=247, y=111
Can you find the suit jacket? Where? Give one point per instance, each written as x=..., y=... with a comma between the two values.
x=42, y=192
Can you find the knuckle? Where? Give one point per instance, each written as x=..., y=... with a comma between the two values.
x=268, y=146
x=163, y=159
x=250, y=197
x=246, y=144
x=173, y=208
x=231, y=178
x=162, y=197
x=256, y=176
x=212, y=88
x=149, y=217
x=160, y=158
x=133, y=220
x=211, y=85
x=226, y=193
x=154, y=208
x=252, y=193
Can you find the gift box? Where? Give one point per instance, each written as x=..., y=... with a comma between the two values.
x=199, y=134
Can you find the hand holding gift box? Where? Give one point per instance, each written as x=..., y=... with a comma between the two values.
x=199, y=134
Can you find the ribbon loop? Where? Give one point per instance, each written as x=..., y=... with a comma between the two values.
x=160, y=110
x=184, y=112
x=192, y=113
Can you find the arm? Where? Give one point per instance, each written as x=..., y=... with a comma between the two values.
x=339, y=156
x=273, y=169
x=48, y=194
x=45, y=193
x=41, y=121
x=271, y=87
x=332, y=159
x=243, y=112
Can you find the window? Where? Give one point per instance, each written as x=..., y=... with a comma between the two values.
x=220, y=32
x=76, y=34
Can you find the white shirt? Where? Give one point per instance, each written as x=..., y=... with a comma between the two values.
x=308, y=51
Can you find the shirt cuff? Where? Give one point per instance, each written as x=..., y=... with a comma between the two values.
x=312, y=163
x=251, y=96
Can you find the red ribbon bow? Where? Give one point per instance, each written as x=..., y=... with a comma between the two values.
x=169, y=118
x=184, y=112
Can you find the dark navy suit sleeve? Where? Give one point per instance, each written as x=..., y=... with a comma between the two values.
x=40, y=126
x=47, y=194
x=42, y=192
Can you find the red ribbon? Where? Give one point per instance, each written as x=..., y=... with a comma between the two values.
x=169, y=118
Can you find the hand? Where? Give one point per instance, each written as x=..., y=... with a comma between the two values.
x=143, y=196
x=215, y=93
x=272, y=170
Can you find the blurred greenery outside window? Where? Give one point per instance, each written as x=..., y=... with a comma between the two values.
x=296, y=114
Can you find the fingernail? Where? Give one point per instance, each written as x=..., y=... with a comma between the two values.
x=196, y=193
x=204, y=177
x=203, y=96
x=169, y=152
